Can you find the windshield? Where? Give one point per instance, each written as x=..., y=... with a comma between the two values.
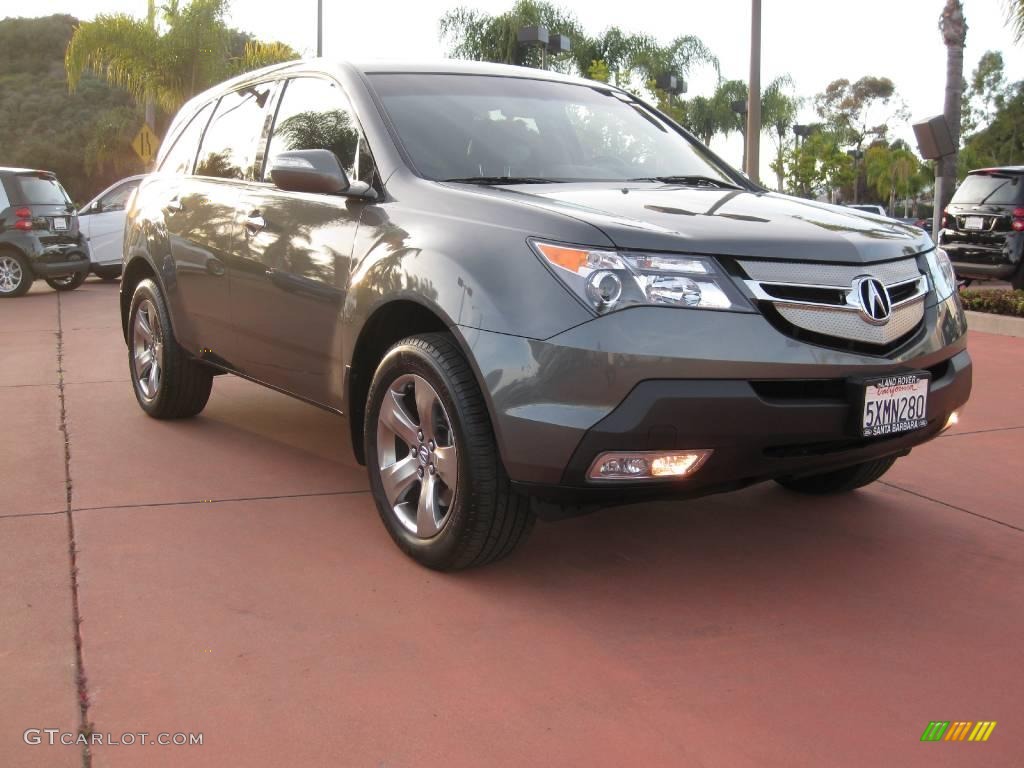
x=983, y=188
x=41, y=190
x=466, y=126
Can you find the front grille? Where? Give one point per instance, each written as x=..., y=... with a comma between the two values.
x=820, y=302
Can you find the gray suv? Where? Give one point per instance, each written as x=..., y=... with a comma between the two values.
x=529, y=294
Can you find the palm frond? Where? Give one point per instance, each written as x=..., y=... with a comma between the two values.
x=119, y=48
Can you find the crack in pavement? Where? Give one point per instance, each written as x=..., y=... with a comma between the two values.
x=982, y=431
x=1011, y=526
x=84, y=727
x=191, y=502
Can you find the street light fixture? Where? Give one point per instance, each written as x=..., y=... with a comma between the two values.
x=540, y=37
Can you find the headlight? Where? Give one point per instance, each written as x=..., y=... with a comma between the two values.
x=609, y=280
x=940, y=272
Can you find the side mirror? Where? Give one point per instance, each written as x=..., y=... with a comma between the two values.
x=315, y=170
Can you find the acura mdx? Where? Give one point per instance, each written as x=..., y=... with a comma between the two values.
x=528, y=293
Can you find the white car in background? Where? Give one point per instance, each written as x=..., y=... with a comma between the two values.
x=102, y=222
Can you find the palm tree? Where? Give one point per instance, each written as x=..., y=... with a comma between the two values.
x=196, y=51
x=890, y=170
x=1015, y=16
x=953, y=28
x=778, y=113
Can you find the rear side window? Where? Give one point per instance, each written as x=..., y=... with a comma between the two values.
x=990, y=189
x=315, y=114
x=229, y=145
x=183, y=154
x=39, y=190
x=5, y=202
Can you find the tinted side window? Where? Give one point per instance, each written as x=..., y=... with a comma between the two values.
x=117, y=198
x=182, y=155
x=229, y=145
x=315, y=114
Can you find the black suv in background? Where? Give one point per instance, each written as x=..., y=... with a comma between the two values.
x=983, y=226
x=39, y=234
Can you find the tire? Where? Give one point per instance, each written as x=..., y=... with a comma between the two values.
x=1017, y=281
x=15, y=275
x=476, y=517
x=841, y=480
x=68, y=283
x=180, y=386
x=107, y=273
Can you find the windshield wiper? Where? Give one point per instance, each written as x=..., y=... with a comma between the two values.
x=697, y=181
x=498, y=180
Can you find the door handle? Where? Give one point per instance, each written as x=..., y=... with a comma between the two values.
x=174, y=206
x=255, y=223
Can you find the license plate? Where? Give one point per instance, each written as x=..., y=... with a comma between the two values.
x=60, y=223
x=895, y=404
x=974, y=222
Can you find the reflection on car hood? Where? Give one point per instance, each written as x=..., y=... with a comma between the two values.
x=727, y=222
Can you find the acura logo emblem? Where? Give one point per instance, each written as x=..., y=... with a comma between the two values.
x=872, y=299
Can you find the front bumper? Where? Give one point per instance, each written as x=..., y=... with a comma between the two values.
x=661, y=378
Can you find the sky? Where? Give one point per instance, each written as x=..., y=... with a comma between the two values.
x=814, y=41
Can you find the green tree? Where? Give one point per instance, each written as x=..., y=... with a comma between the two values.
x=890, y=170
x=480, y=36
x=195, y=51
x=779, y=109
x=1002, y=141
x=818, y=165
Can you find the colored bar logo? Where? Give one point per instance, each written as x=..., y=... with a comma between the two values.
x=959, y=730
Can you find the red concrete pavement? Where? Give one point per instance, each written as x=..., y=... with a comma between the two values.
x=752, y=629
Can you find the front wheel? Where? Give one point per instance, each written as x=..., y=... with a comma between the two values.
x=840, y=480
x=67, y=282
x=168, y=383
x=434, y=468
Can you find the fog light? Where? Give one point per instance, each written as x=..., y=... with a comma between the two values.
x=647, y=465
x=952, y=421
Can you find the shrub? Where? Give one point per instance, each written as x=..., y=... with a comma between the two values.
x=1001, y=302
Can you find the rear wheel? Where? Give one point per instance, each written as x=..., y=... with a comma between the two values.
x=108, y=273
x=840, y=480
x=1017, y=281
x=434, y=468
x=15, y=276
x=68, y=282
x=168, y=383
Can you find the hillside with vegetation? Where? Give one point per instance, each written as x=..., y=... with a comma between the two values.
x=83, y=136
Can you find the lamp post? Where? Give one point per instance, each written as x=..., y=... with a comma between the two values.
x=752, y=143
x=319, y=27
x=670, y=84
x=540, y=37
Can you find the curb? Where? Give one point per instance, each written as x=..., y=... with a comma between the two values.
x=1004, y=325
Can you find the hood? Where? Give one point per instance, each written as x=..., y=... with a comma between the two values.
x=725, y=222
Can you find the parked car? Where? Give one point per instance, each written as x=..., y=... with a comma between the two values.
x=39, y=234
x=983, y=226
x=867, y=208
x=102, y=223
x=528, y=293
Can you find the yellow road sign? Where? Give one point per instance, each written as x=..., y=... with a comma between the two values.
x=145, y=144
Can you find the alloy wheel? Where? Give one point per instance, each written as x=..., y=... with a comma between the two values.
x=417, y=456
x=11, y=274
x=147, y=349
